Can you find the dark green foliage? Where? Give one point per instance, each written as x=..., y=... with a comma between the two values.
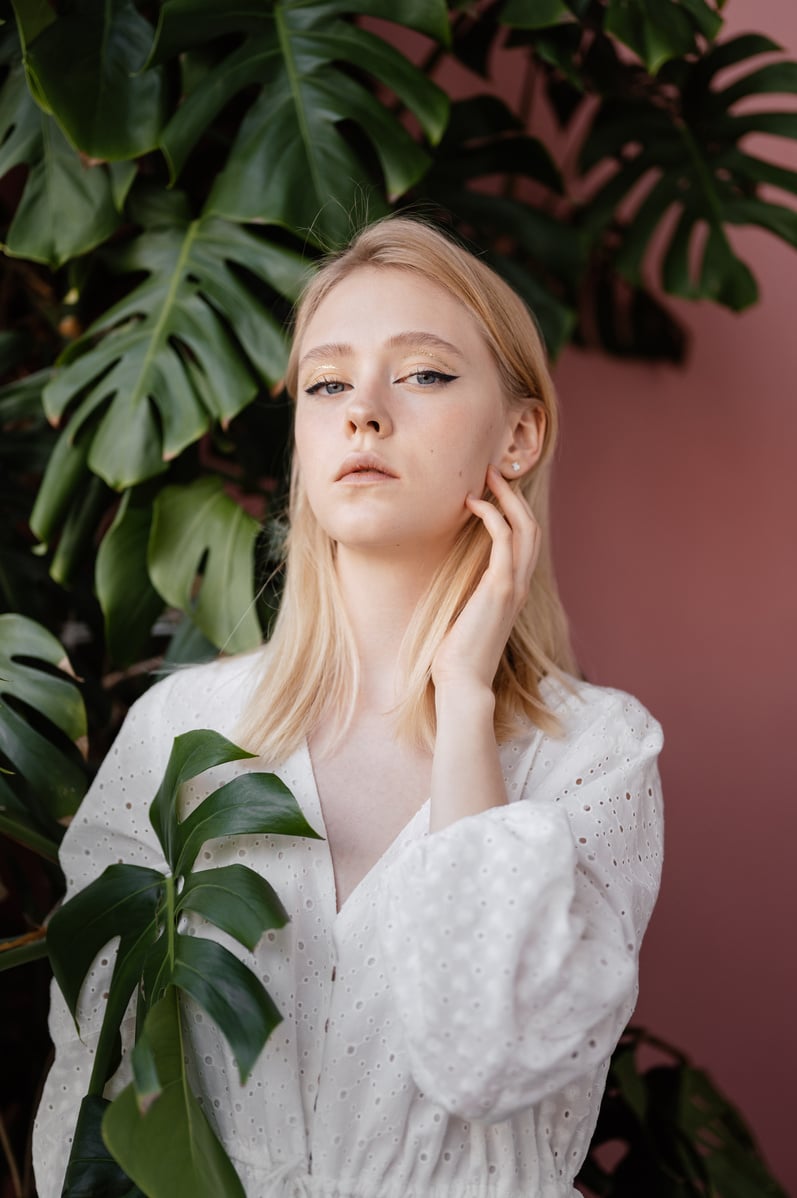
x=672, y=1134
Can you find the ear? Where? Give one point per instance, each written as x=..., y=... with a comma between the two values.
x=525, y=440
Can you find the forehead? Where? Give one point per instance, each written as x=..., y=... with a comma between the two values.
x=374, y=304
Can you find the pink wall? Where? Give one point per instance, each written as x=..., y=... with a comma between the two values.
x=675, y=541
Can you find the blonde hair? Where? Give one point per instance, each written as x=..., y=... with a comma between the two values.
x=313, y=668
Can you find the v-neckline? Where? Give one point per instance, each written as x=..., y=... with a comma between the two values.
x=320, y=825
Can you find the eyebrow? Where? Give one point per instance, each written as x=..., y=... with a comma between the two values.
x=412, y=338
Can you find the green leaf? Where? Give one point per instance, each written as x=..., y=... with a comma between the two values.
x=92, y=1171
x=535, y=14
x=690, y=162
x=250, y=803
x=554, y=318
x=167, y=364
x=130, y=604
x=105, y=104
x=121, y=902
x=235, y=899
x=66, y=470
x=66, y=207
x=425, y=16
x=295, y=121
x=746, y=166
x=184, y=23
x=19, y=824
x=133, y=954
x=728, y=53
x=484, y=137
x=655, y=31
x=192, y=753
x=49, y=780
x=53, y=694
x=659, y=199
x=774, y=217
x=257, y=60
x=229, y=993
x=32, y=17
x=79, y=529
x=777, y=77
x=199, y=528
x=170, y=1150
x=676, y=272
x=724, y=276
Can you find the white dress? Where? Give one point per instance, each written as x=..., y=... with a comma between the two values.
x=447, y=1033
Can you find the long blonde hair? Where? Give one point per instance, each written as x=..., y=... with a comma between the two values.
x=312, y=667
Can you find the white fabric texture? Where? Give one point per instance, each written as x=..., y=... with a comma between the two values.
x=447, y=1033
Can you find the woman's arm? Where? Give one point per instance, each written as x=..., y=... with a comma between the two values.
x=466, y=771
x=511, y=937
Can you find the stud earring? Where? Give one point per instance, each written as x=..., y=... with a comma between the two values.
x=516, y=467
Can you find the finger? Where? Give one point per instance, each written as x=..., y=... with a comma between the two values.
x=526, y=530
x=501, y=574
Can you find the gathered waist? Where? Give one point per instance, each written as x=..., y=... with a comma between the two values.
x=293, y=1181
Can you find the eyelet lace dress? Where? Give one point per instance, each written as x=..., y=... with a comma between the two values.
x=446, y=1034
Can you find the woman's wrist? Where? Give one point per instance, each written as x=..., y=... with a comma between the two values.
x=463, y=699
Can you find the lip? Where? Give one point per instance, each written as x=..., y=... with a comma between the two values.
x=367, y=467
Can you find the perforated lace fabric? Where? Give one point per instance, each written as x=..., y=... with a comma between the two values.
x=447, y=1033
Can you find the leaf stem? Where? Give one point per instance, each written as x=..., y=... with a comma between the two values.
x=171, y=921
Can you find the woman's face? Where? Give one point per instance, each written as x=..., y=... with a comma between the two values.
x=399, y=412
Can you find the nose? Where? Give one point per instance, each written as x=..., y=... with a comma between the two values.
x=367, y=410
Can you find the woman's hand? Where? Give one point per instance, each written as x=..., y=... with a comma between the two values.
x=466, y=770
x=470, y=653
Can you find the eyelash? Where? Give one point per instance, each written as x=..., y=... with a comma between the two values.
x=437, y=375
x=316, y=387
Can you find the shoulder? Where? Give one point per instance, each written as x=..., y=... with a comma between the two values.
x=214, y=694
x=604, y=712
x=603, y=732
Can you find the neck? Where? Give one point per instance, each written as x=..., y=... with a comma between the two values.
x=380, y=595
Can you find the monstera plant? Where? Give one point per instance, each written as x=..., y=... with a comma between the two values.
x=169, y=173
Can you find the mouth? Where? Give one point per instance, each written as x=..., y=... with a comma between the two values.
x=361, y=467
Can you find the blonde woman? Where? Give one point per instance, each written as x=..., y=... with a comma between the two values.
x=462, y=952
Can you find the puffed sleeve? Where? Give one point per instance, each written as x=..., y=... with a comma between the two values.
x=512, y=937
x=111, y=825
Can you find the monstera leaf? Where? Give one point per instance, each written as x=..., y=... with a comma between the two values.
x=656, y=32
x=130, y=604
x=308, y=64
x=67, y=207
x=659, y=32
x=46, y=780
x=106, y=105
x=160, y=366
x=693, y=164
x=672, y=1133
x=155, y=1129
x=201, y=536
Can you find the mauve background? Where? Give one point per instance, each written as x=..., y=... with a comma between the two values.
x=674, y=535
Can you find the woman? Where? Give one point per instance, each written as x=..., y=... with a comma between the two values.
x=462, y=951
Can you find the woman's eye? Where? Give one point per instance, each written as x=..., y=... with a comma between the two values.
x=327, y=387
x=427, y=378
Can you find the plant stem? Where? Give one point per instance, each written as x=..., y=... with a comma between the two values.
x=170, y=918
x=5, y=1143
